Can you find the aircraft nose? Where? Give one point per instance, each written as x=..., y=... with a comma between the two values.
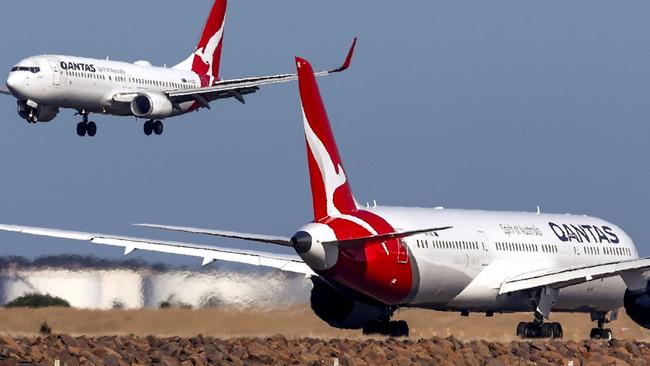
x=14, y=82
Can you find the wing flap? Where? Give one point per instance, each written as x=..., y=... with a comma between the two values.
x=573, y=276
x=280, y=240
x=208, y=253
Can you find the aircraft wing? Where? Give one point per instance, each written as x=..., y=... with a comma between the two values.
x=4, y=90
x=279, y=240
x=237, y=88
x=209, y=254
x=574, y=275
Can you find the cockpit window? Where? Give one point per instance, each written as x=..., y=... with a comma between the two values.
x=33, y=70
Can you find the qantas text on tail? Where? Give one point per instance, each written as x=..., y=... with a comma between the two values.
x=367, y=262
x=44, y=84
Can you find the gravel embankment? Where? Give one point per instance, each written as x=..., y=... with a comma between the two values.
x=278, y=350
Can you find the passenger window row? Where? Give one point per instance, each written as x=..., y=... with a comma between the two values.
x=443, y=244
x=526, y=247
x=621, y=251
x=167, y=84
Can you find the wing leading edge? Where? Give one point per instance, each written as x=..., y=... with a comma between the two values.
x=209, y=254
x=628, y=270
x=4, y=90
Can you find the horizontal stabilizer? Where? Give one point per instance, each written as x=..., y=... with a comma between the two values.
x=395, y=235
x=279, y=240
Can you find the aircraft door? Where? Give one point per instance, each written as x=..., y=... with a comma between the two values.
x=484, y=246
x=56, y=72
x=402, y=252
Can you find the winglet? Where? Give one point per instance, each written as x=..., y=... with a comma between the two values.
x=348, y=59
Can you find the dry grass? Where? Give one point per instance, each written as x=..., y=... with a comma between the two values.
x=293, y=322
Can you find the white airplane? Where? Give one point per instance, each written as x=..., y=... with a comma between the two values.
x=44, y=84
x=367, y=262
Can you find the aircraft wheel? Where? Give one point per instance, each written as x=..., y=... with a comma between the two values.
x=81, y=129
x=148, y=127
x=557, y=330
x=606, y=334
x=371, y=328
x=600, y=333
x=91, y=129
x=158, y=127
x=521, y=329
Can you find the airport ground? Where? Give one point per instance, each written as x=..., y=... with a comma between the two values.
x=296, y=321
x=187, y=337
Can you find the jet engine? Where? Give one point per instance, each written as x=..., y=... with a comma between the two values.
x=152, y=106
x=637, y=306
x=342, y=311
x=32, y=112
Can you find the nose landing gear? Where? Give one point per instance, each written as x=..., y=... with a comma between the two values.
x=85, y=127
x=600, y=332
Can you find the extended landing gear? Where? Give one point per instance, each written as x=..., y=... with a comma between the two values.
x=538, y=329
x=600, y=332
x=153, y=126
x=388, y=328
x=85, y=127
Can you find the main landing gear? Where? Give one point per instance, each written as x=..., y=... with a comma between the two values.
x=545, y=299
x=85, y=127
x=538, y=329
x=153, y=126
x=600, y=332
x=388, y=328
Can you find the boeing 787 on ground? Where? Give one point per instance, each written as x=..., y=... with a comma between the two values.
x=367, y=262
x=44, y=84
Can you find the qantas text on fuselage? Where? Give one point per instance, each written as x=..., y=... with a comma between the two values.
x=44, y=84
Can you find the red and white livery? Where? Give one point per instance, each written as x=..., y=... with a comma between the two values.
x=367, y=262
x=44, y=84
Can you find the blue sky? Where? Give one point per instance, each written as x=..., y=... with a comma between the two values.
x=500, y=105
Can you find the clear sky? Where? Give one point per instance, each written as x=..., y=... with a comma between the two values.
x=501, y=105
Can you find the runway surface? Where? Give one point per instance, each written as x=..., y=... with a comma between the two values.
x=296, y=321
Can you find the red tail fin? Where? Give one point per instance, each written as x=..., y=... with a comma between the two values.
x=331, y=192
x=207, y=57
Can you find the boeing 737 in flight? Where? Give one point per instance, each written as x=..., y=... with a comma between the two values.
x=44, y=84
x=367, y=262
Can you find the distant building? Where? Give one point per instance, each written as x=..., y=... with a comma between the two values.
x=89, y=283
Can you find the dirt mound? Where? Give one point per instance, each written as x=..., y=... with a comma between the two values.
x=279, y=350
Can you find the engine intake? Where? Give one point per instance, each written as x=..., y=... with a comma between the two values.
x=151, y=105
x=33, y=112
x=637, y=306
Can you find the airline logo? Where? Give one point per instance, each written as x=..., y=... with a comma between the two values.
x=78, y=66
x=207, y=56
x=584, y=233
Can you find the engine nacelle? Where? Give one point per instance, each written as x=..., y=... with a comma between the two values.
x=33, y=112
x=152, y=106
x=341, y=311
x=637, y=306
